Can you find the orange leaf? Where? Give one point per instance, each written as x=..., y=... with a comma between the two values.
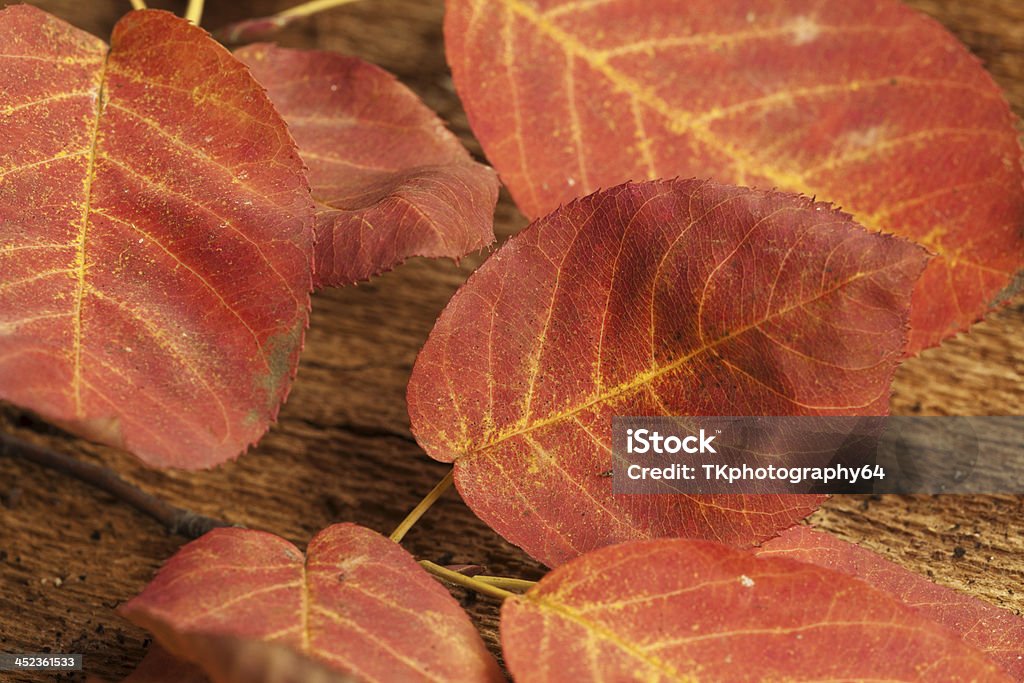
x=997, y=632
x=660, y=298
x=867, y=104
x=389, y=180
x=357, y=603
x=684, y=610
x=155, y=238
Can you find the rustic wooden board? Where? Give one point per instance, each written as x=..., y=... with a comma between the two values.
x=343, y=451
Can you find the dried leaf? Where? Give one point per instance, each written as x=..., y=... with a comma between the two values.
x=232, y=660
x=868, y=104
x=357, y=603
x=390, y=181
x=660, y=298
x=685, y=610
x=155, y=238
x=997, y=632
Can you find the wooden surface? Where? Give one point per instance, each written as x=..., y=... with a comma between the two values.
x=343, y=451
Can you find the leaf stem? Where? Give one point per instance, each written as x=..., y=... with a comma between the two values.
x=176, y=520
x=138, y=4
x=516, y=585
x=403, y=528
x=312, y=7
x=470, y=582
x=262, y=28
x=194, y=11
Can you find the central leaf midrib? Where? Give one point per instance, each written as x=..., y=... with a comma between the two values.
x=606, y=634
x=80, y=265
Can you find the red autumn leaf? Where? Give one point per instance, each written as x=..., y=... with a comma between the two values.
x=390, y=181
x=681, y=610
x=357, y=603
x=155, y=238
x=660, y=298
x=997, y=632
x=868, y=104
x=230, y=660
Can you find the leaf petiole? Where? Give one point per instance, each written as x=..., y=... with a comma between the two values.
x=470, y=582
x=259, y=29
x=309, y=8
x=510, y=584
x=403, y=528
x=194, y=11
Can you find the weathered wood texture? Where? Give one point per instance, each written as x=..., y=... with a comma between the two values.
x=343, y=451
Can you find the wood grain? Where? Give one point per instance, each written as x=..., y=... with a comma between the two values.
x=343, y=452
